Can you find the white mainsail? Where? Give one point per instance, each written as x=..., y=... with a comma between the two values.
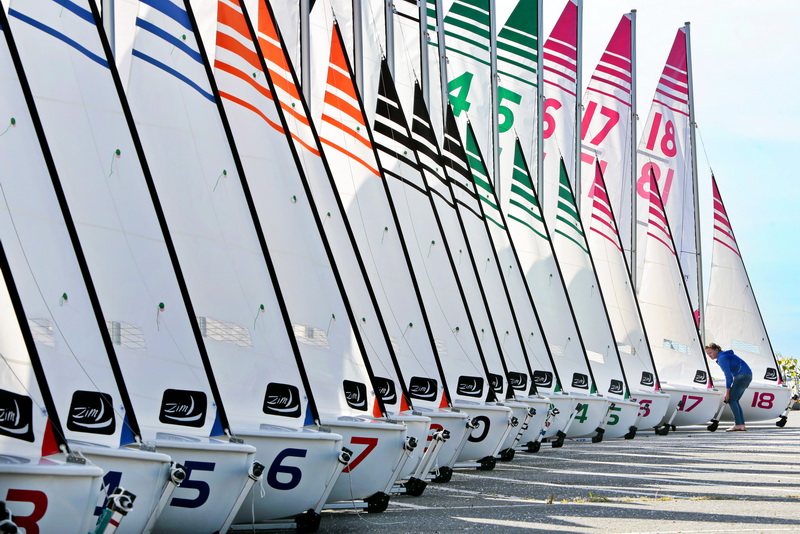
x=669, y=322
x=621, y=304
x=733, y=320
x=607, y=129
x=665, y=151
x=559, y=106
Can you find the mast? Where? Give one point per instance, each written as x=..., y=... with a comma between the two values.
x=578, y=108
x=701, y=325
x=358, y=46
x=442, y=58
x=423, y=53
x=388, y=9
x=108, y=24
x=634, y=144
x=539, y=104
x=495, y=177
x=305, y=50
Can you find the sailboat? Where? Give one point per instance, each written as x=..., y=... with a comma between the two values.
x=666, y=310
x=105, y=181
x=607, y=172
x=733, y=320
x=666, y=155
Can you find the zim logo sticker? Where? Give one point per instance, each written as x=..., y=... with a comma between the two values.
x=771, y=374
x=700, y=377
x=470, y=386
x=16, y=416
x=616, y=387
x=386, y=390
x=647, y=379
x=543, y=379
x=355, y=393
x=580, y=381
x=423, y=388
x=91, y=412
x=182, y=407
x=282, y=400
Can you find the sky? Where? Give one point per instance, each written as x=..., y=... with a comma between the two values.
x=746, y=80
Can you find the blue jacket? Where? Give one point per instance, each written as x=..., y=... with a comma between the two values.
x=732, y=365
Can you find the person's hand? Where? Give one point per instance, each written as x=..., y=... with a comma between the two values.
x=727, y=397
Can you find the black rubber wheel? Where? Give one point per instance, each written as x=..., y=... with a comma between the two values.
x=444, y=475
x=506, y=455
x=377, y=503
x=307, y=522
x=487, y=463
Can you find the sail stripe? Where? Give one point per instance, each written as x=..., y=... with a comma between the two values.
x=609, y=82
x=566, y=63
x=60, y=36
x=570, y=237
x=656, y=101
x=173, y=72
x=595, y=90
x=349, y=154
x=613, y=241
x=727, y=245
x=662, y=242
x=234, y=46
x=172, y=11
x=557, y=47
x=230, y=69
x=251, y=107
x=174, y=41
x=616, y=60
x=559, y=86
x=680, y=76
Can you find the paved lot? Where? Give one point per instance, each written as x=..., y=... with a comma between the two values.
x=690, y=481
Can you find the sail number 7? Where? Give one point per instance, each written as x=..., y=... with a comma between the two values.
x=370, y=443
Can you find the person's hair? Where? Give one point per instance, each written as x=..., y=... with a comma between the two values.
x=713, y=346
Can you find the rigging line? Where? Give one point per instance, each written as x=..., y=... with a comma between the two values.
x=400, y=28
x=44, y=300
x=702, y=143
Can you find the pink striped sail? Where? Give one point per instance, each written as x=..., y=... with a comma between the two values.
x=560, y=66
x=723, y=233
x=657, y=225
x=606, y=128
x=734, y=321
x=665, y=152
x=602, y=220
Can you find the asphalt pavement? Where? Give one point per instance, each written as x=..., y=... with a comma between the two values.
x=690, y=481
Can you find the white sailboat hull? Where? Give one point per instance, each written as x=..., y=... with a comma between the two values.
x=587, y=419
x=700, y=405
x=301, y=467
x=377, y=448
x=563, y=404
x=494, y=423
x=623, y=416
x=453, y=422
x=143, y=473
x=760, y=401
x=652, y=408
x=217, y=472
x=50, y=495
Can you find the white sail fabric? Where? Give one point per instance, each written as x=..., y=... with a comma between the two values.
x=26, y=430
x=467, y=43
x=523, y=345
x=559, y=94
x=309, y=289
x=517, y=91
x=323, y=15
x=532, y=241
x=408, y=341
x=104, y=183
x=733, y=319
x=439, y=251
x=665, y=150
x=618, y=291
x=49, y=279
x=668, y=319
x=226, y=268
x=606, y=131
x=349, y=151
x=585, y=294
x=410, y=51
